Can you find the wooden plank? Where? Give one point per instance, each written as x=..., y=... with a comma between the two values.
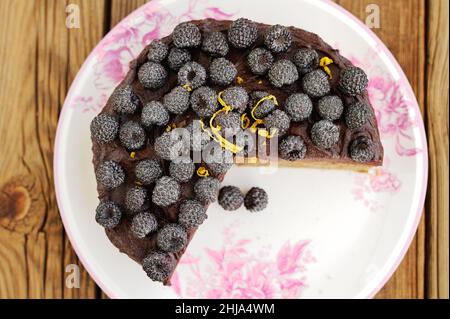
x=402, y=29
x=121, y=8
x=437, y=125
x=44, y=56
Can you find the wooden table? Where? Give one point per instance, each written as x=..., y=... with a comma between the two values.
x=39, y=59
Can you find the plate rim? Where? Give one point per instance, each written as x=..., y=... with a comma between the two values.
x=367, y=31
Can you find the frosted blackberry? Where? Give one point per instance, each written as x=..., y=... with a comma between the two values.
x=204, y=101
x=199, y=139
x=283, y=72
x=362, y=150
x=135, y=199
x=215, y=44
x=353, y=81
x=192, y=214
x=108, y=214
x=306, y=60
x=206, y=189
x=177, y=100
x=110, y=174
x=324, y=134
x=357, y=114
x=259, y=61
x=171, y=238
x=222, y=71
x=256, y=199
x=157, y=51
x=330, y=107
x=168, y=146
x=218, y=160
x=154, y=113
x=177, y=58
x=192, y=74
x=143, y=224
x=298, y=106
x=158, y=266
x=236, y=97
x=166, y=191
x=124, y=100
x=104, y=128
x=132, y=136
x=148, y=171
x=278, y=38
x=182, y=169
x=152, y=75
x=278, y=120
x=242, y=33
x=292, y=148
x=186, y=35
x=316, y=84
x=230, y=123
x=264, y=108
x=230, y=198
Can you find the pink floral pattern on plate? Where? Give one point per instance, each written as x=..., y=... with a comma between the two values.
x=234, y=271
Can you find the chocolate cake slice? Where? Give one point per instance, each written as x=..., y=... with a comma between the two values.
x=172, y=128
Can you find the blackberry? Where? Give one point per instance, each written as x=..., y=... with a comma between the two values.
x=353, y=81
x=168, y=146
x=278, y=38
x=242, y=33
x=357, y=115
x=292, y=148
x=264, y=108
x=148, y=171
x=306, y=60
x=110, y=174
x=186, y=35
x=230, y=123
x=218, y=160
x=108, y=214
x=124, y=100
x=215, y=44
x=236, y=97
x=171, y=238
x=259, y=61
x=222, y=71
x=135, y=199
x=230, y=198
x=198, y=138
x=192, y=74
x=206, y=189
x=192, y=214
x=157, y=51
x=104, y=128
x=166, y=191
x=152, y=75
x=177, y=100
x=177, y=58
x=256, y=199
x=158, y=266
x=143, y=224
x=154, y=113
x=324, y=134
x=330, y=107
x=283, y=72
x=278, y=120
x=316, y=84
x=182, y=169
x=204, y=101
x=362, y=150
x=298, y=106
x=132, y=136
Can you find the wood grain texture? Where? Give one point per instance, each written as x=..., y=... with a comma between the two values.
x=437, y=127
x=44, y=56
x=402, y=29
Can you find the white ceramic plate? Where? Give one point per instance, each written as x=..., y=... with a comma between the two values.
x=325, y=234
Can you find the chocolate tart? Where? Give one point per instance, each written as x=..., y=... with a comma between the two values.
x=336, y=157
